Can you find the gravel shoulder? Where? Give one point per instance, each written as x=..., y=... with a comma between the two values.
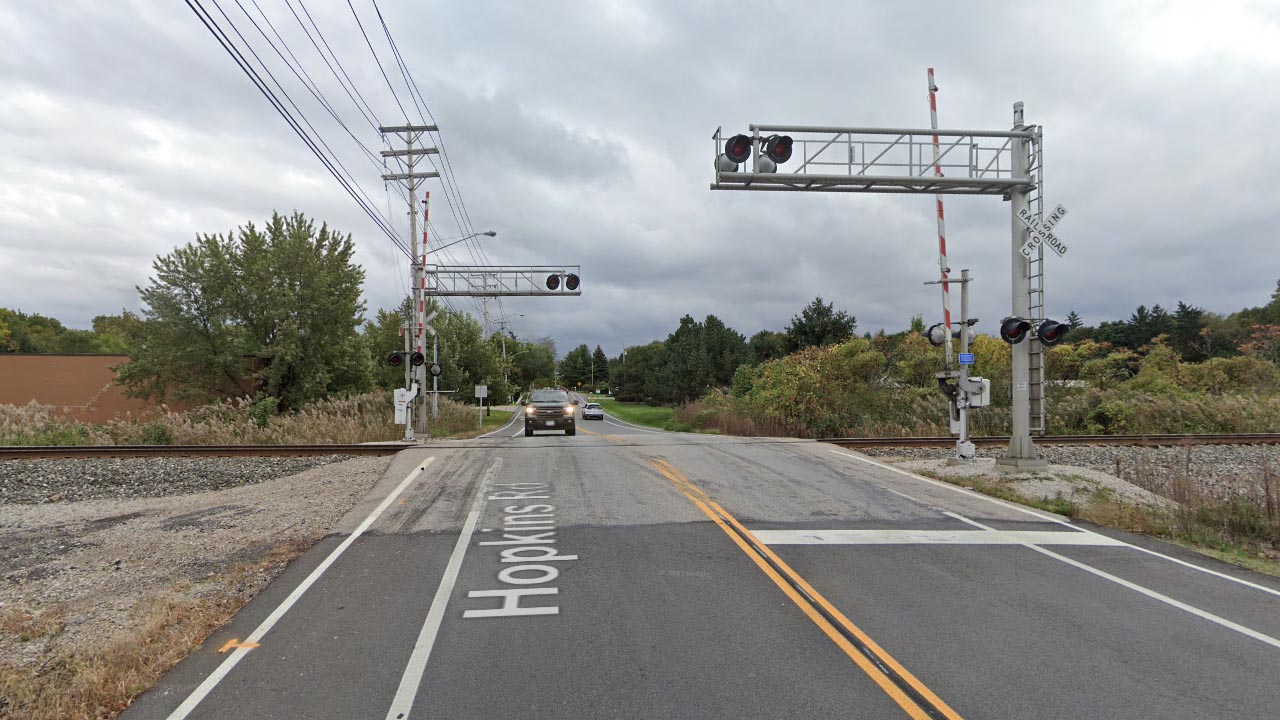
x=1140, y=475
x=155, y=527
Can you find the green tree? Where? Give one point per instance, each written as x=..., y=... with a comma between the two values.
x=1073, y=320
x=599, y=368
x=818, y=325
x=31, y=333
x=114, y=331
x=272, y=311
x=534, y=363
x=1188, y=321
x=467, y=359
x=382, y=336
x=633, y=368
x=726, y=350
x=575, y=368
x=767, y=345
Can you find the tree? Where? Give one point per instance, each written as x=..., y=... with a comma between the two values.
x=634, y=368
x=534, y=363
x=766, y=345
x=382, y=336
x=466, y=358
x=599, y=368
x=114, y=331
x=1073, y=320
x=575, y=368
x=271, y=311
x=726, y=349
x=819, y=324
x=1188, y=321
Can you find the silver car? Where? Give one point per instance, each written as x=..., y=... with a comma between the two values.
x=592, y=411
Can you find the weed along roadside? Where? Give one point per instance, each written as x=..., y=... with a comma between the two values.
x=527, y=554
x=1220, y=501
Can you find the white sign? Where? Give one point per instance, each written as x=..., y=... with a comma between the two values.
x=1042, y=231
x=482, y=391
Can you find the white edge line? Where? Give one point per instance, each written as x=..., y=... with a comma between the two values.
x=417, y=665
x=1249, y=632
x=1162, y=598
x=514, y=416
x=629, y=426
x=1060, y=521
x=227, y=665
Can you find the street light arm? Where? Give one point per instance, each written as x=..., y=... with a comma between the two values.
x=464, y=238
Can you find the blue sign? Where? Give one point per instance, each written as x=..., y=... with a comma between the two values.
x=966, y=358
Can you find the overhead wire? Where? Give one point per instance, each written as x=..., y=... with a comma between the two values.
x=207, y=19
x=449, y=180
x=353, y=92
x=305, y=78
x=458, y=209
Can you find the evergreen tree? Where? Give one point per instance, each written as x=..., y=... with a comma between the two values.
x=819, y=324
x=599, y=368
x=1188, y=321
x=767, y=345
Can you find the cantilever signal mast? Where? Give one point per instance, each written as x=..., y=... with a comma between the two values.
x=1001, y=163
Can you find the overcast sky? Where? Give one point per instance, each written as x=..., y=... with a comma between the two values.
x=580, y=132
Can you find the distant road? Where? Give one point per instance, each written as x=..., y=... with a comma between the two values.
x=634, y=573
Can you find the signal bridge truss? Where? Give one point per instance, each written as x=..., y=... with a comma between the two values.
x=503, y=280
x=883, y=160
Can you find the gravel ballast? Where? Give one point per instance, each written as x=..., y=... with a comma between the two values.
x=157, y=528
x=1221, y=471
x=64, y=480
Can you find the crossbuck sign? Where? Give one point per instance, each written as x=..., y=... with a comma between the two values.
x=1042, y=231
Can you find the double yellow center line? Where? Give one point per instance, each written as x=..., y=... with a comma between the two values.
x=911, y=695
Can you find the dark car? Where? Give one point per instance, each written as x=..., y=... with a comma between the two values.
x=550, y=410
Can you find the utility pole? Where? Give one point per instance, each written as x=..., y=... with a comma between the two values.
x=408, y=157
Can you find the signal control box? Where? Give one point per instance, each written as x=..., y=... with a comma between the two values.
x=403, y=397
x=982, y=398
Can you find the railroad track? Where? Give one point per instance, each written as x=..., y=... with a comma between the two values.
x=11, y=452
x=79, y=451
x=1150, y=440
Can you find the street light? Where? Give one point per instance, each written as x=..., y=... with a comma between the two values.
x=464, y=238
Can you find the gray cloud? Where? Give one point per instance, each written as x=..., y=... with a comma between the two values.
x=581, y=134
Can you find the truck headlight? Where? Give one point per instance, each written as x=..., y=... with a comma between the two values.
x=528, y=410
x=568, y=409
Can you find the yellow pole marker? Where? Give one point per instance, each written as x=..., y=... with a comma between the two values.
x=235, y=643
x=719, y=516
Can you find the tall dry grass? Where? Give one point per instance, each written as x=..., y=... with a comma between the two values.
x=358, y=418
x=1240, y=510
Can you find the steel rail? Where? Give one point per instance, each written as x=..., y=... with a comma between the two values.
x=1147, y=440
x=12, y=452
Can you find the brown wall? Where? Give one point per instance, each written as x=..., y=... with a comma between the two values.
x=82, y=386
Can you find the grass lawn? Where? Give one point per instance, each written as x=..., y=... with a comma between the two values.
x=491, y=422
x=637, y=413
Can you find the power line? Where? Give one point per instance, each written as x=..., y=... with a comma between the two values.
x=303, y=77
x=242, y=62
x=465, y=226
x=378, y=61
x=368, y=116
x=316, y=133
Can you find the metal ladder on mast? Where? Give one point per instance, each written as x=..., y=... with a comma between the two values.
x=1035, y=272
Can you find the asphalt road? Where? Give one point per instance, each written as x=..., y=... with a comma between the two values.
x=629, y=573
